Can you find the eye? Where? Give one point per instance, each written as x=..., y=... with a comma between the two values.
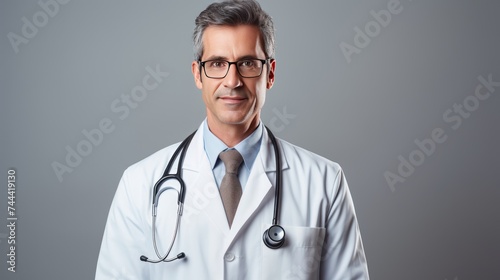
x=247, y=63
x=217, y=64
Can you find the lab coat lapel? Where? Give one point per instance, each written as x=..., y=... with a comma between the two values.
x=258, y=186
x=256, y=189
x=201, y=186
x=199, y=179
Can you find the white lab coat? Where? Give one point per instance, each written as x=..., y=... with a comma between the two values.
x=322, y=235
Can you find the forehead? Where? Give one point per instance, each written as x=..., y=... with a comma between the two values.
x=232, y=42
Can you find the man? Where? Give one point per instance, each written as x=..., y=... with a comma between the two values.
x=230, y=176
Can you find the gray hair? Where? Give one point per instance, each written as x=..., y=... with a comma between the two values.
x=234, y=12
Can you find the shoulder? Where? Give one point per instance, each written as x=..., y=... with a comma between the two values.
x=296, y=155
x=312, y=172
x=152, y=164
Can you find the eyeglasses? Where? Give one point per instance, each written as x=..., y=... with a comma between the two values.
x=247, y=68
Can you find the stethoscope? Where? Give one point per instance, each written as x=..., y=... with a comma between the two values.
x=274, y=237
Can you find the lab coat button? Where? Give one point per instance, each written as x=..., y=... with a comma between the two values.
x=229, y=257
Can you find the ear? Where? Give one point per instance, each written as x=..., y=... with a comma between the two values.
x=195, y=69
x=270, y=75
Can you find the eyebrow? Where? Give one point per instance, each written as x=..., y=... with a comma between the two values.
x=218, y=57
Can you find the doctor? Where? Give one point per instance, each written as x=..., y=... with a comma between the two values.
x=220, y=237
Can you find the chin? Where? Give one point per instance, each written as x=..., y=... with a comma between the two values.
x=235, y=120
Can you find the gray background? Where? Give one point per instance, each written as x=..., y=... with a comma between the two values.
x=442, y=222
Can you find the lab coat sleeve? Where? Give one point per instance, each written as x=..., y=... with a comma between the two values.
x=343, y=255
x=124, y=232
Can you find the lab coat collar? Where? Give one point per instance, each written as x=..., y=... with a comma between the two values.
x=196, y=152
x=258, y=188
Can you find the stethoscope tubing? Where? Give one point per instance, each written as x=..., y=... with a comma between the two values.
x=277, y=191
x=182, y=149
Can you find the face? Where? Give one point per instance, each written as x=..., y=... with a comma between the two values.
x=233, y=100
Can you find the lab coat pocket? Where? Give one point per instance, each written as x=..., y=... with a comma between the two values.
x=298, y=258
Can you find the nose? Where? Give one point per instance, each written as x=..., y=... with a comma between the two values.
x=233, y=78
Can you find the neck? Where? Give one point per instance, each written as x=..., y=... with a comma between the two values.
x=232, y=134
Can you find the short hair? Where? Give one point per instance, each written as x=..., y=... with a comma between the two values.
x=233, y=13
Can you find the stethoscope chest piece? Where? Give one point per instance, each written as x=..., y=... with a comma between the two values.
x=274, y=237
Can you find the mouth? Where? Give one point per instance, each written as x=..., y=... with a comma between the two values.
x=232, y=99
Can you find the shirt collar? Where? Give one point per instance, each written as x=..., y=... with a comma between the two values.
x=248, y=148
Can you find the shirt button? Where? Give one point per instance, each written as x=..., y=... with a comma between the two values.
x=229, y=257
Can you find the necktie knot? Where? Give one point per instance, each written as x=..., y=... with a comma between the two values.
x=232, y=160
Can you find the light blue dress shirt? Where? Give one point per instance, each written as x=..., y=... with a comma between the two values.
x=248, y=148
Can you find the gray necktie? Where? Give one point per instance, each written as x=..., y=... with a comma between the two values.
x=230, y=187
